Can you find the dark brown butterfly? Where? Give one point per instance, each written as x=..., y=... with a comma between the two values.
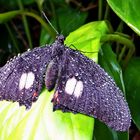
x=81, y=85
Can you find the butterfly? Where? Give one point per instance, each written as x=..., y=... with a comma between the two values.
x=80, y=85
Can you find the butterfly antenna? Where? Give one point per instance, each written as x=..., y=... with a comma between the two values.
x=49, y=22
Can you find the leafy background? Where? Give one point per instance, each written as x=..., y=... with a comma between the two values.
x=110, y=29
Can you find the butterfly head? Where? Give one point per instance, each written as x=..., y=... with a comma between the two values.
x=60, y=38
x=58, y=46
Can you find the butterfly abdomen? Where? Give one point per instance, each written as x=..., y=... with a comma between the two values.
x=51, y=74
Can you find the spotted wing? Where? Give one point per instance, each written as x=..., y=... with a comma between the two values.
x=86, y=88
x=21, y=78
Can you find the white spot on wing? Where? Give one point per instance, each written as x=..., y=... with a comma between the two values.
x=30, y=80
x=26, y=80
x=78, y=89
x=70, y=86
x=22, y=81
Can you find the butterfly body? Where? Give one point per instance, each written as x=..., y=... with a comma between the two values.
x=81, y=85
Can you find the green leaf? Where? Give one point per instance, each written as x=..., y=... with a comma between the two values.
x=64, y=25
x=128, y=11
x=73, y=21
x=40, y=122
x=107, y=133
x=132, y=83
x=87, y=38
x=45, y=37
x=101, y=128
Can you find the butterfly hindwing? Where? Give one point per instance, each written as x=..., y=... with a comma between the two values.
x=21, y=78
x=86, y=88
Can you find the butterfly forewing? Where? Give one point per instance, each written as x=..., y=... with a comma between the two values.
x=21, y=78
x=86, y=88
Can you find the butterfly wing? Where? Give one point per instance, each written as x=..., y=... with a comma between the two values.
x=84, y=87
x=21, y=78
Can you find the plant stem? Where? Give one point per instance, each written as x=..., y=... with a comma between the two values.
x=122, y=53
x=120, y=27
x=122, y=40
x=100, y=6
x=106, y=12
x=25, y=25
x=118, y=38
